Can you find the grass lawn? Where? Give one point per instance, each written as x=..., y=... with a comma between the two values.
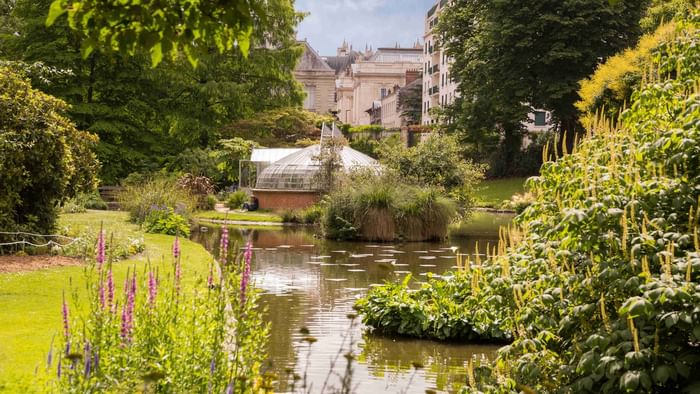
x=257, y=216
x=31, y=301
x=485, y=224
x=492, y=192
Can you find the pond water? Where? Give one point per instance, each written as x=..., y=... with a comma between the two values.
x=313, y=283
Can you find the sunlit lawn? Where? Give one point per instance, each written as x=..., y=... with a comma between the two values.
x=492, y=192
x=257, y=216
x=30, y=312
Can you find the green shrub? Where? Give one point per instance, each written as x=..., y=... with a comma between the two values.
x=210, y=202
x=140, y=198
x=600, y=287
x=312, y=214
x=163, y=220
x=236, y=199
x=162, y=331
x=379, y=208
x=291, y=216
x=436, y=162
x=367, y=146
x=83, y=201
x=44, y=159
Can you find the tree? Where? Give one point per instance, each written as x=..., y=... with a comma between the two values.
x=44, y=158
x=158, y=28
x=277, y=127
x=145, y=117
x=514, y=56
x=411, y=102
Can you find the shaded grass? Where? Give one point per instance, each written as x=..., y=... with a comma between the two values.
x=481, y=224
x=257, y=216
x=492, y=192
x=31, y=301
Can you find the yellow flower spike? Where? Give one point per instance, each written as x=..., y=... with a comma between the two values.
x=603, y=313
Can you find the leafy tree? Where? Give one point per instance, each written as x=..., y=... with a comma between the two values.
x=435, y=162
x=44, y=158
x=145, y=117
x=136, y=26
x=513, y=56
x=277, y=127
x=411, y=102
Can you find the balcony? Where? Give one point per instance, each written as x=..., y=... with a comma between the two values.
x=434, y=69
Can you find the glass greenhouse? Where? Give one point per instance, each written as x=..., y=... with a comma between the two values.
x=298, y=170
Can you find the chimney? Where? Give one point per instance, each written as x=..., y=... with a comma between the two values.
x=412, y=75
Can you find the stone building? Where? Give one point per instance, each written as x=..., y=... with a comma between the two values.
x=438, y=87
x=318, y=80
x=371, y=78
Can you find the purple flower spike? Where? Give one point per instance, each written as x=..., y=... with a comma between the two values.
x=212, y=366
x=96, y=361
x=110, y=289
x=223, y=247
x=176, y=247
x=178, y=273
x=100, y=258
x=152, y=288
x=58, y=370
x=66, y=328
x=210, y=279
x=229, y=388
x=245, y=277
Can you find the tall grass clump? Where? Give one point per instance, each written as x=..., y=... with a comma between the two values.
x=600, y=290
x=153, y=333
x=382, y=208
x=140, y=198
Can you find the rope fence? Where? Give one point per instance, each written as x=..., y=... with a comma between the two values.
x=51, y=239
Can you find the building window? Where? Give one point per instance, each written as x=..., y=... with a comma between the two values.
x=310, y=100
x=382, y=93
x=540, y=118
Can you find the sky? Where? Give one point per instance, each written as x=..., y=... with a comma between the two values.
x=379, y=23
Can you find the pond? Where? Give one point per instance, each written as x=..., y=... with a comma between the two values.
x=313, y=283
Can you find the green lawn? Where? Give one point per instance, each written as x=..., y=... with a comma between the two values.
x=257, y=216
x=492, y=192
x=481, y=224
x=31, y=301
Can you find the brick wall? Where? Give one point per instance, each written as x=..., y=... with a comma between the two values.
x=285, y=199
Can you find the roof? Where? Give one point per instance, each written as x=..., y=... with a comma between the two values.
x=271, y=155
x=311, y=61
x=299, y=170
x=340, y=63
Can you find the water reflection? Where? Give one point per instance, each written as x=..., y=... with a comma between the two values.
x=313, y=283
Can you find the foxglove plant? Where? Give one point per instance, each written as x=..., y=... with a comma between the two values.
x=209, y=338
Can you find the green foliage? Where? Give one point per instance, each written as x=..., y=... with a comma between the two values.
x=236, y=199
x=161, y=29
x=511, y=57
x=312, y=214
x=161, y=334
x=139, y=199
x=230, y=153
x=164, y=220
x=436, y=162
x=277, y=127
x=370, y=128
x=380, y=208
x=600, y=287
x=147, y=117
x=367, y=146
x=410, y=102
x=610, y=88
x=434, y=310
x=83, y=201
x=210, y=202
x=661, y=11
x=44, y=158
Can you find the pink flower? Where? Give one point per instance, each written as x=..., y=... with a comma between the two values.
x=178, y=273
x=210, y=278
x=100, y=258
x=152, y=288
x=245, y=276
x=102, y=295
x=110, y=289
x=223, y=247
x=176, y=247
x=66, y=328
